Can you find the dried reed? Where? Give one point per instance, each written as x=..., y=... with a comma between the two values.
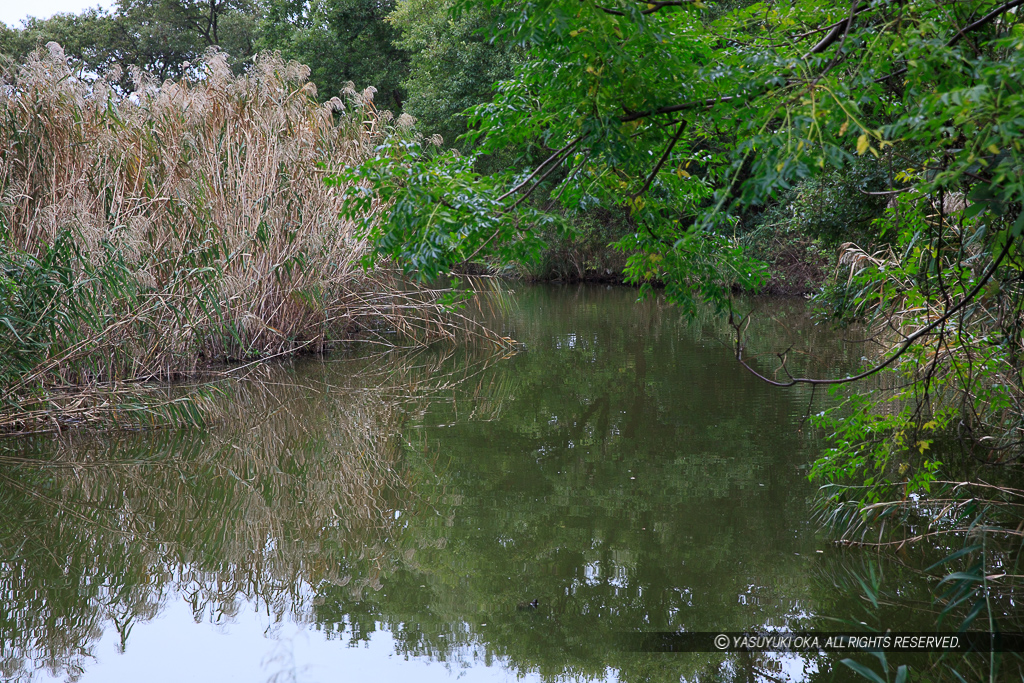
x=147, y=235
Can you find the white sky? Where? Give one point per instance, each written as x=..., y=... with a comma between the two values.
x=13, y=11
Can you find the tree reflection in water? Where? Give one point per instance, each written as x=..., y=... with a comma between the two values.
x=297, y=487
x=620, y=468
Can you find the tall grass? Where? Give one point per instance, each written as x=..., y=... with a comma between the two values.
x=147, y=235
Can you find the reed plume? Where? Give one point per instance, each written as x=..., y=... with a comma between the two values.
x=146, y=235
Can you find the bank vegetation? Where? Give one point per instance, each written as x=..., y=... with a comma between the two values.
x=152, y=234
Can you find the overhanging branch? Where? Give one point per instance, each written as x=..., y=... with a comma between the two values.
x=964, y=31
x=652, y=7
x=839, y=29
x=537, y=170
x=693, y=104
x=663, y=159
x=984, y=20
x=909, y=341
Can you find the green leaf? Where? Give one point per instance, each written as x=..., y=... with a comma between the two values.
x=863, y=671
x=1018, y=225
x=974, y=209
x=958, y=554
x=976, y=609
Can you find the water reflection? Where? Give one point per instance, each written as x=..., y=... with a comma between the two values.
x=620, y=469
x=298, y=488
x=636, y=479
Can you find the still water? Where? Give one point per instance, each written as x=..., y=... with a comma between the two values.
x=465, y=513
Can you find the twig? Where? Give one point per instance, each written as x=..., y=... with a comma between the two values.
x=910, y=339
x=661, y=161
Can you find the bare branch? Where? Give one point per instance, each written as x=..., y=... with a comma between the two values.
x=693, y=104
x=663, y=159
x=962, y=32
x=884, y=192
x=536, y=184
x=838, y=30
x=909, y=340
x=984, y=20
x=538, y=170
x=652, y=7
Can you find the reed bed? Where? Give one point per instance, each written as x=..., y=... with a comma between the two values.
x=149, y=235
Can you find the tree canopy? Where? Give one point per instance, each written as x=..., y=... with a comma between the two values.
x=341, y=41
x=158, y=37
x=692, y=115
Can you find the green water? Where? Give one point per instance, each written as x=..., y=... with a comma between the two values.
x=393, y=516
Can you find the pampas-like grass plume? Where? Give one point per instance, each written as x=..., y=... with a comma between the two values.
x=147, y=235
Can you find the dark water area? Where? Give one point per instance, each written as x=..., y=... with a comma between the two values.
x=465, y=513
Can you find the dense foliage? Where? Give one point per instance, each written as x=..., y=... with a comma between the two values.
x=341, y=41
x=162, y=38
x=453, y=62
x=696, y=118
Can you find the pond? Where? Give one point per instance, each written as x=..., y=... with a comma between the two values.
x=449, y=513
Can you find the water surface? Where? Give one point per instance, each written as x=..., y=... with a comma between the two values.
x=395, y=516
